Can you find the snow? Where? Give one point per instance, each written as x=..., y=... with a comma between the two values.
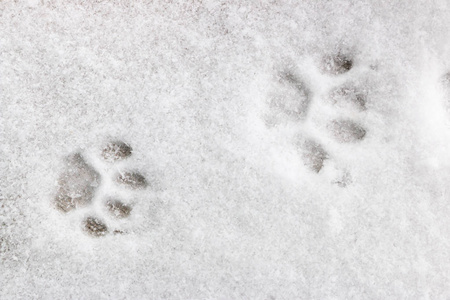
x=232, y=211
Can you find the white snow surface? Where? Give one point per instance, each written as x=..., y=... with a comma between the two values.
x=232, y=212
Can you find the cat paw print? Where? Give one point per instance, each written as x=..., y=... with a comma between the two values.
x=292, y=105
x=84, y=187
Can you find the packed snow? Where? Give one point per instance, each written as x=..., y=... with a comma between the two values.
x=224, y=149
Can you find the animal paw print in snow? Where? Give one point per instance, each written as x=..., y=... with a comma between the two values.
x=79, y=184
x=292, y=101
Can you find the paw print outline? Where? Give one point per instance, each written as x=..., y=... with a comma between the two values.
x=291, y=103
x=80, y=183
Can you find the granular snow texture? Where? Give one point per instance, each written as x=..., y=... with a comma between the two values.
x=224, y=149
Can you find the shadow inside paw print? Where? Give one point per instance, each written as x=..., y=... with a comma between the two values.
x=348, y=96
x=336, y=64
x=445, y=88
x=116, y=150
x=118, y=209
x=445, y=79
x=79, y=183
x=293, y=102
x=346, y=131
x=95, y=227
x=313, y=154
x=133, y=180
